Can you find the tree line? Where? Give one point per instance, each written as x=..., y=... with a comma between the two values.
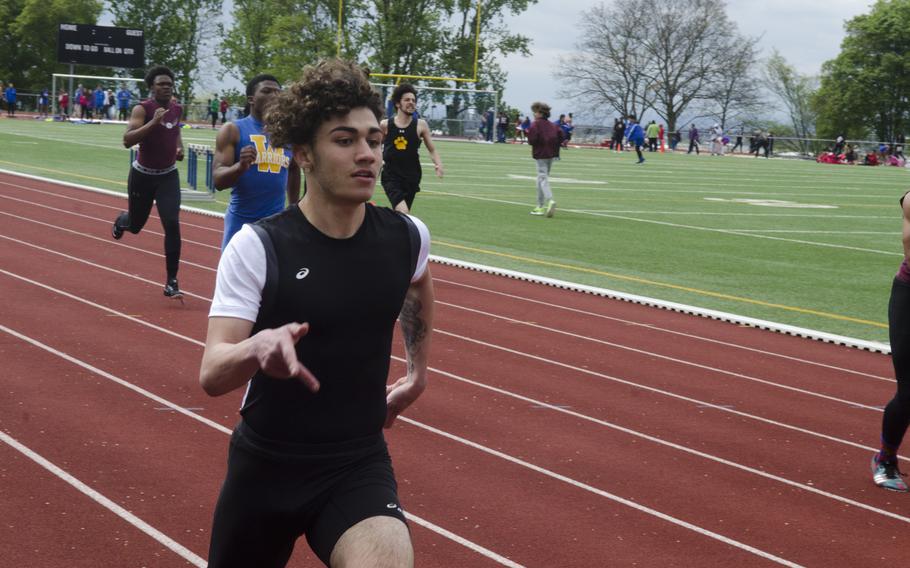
x=414, y=37
x=685, y=59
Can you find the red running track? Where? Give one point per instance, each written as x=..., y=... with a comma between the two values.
x=560, y=429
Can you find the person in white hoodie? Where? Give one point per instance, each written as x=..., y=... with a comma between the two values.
x=717, y=140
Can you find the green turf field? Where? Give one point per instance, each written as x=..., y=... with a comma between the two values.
x=784, y=240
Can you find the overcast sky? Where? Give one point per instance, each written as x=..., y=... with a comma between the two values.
x=806, y=32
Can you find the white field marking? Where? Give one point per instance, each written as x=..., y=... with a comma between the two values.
x=744, y=234
x=183, y=223
x=636, y=187
x=24, y=142
x=667, y=330
x=655, y=355
x=107, y=222
x=693, y=401
x=616, y=498
x=889, y=233
x=556, y=179
x=182, y=410
x=566, y=410
x=679, y=226
x=773, y=203
x=74, y=140
x=97, y=497
x=776, y=214
x=108, y=240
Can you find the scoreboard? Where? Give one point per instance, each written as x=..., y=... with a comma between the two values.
x=104, y=46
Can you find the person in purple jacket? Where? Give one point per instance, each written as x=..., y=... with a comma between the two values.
x=155, y=126
x=545, y=138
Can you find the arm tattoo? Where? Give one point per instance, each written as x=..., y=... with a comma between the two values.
x=413, y=328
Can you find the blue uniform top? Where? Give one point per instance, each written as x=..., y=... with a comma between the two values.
x=635, y=133
x=260, y=191
x=99, y=98
x=123, y=98
x=10, y=94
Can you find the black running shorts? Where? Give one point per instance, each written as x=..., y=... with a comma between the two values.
x=275, y=492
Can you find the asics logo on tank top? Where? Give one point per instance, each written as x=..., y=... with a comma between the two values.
x=268, y=159
x=302, y=273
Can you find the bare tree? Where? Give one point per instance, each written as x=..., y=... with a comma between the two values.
x=609, y=72
x=735, y=91
x=662, y=54
x=795, y=91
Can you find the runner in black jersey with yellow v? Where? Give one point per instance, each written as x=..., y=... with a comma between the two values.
x=303, y=316
x=401, y=171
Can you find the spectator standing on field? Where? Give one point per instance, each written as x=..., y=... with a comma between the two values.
x=693, y=139
x=619, y=131
x=124, y=97
x=652, y=132
x=10, y=95
x=545, y=139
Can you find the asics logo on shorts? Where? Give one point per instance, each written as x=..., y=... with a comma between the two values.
x=302, y=273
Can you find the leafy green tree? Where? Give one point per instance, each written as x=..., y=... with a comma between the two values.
x=28, y=38
x=866, y=88
x=176, y=33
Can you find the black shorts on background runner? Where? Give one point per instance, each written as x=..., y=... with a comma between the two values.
x=275, y=492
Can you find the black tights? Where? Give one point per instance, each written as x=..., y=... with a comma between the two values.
x=897, y=412
x=164, y=190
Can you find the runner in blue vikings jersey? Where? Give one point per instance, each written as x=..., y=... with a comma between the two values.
x=261, y=176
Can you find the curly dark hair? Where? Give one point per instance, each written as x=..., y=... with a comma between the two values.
x=154, y=72
x=330, y=88
x=401, y=90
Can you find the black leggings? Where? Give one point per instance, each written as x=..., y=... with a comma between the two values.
x=164, y=190
x=897, y=412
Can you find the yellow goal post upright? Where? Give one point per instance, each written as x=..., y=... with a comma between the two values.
x=107, y=80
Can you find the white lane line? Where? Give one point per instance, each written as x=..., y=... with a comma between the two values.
x=99, y=266
x=575, y=368
x=188, y=413
x=616, y=498
x=107, y=222
x=693, y=401
x=183, y=223
x=666, y=330
x=766, y=382
x=97, y=497
x=685, y=449
x=566, y=410
x=108, y=241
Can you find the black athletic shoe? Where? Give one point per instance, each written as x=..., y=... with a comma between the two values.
x=171, y=290
x=117, y=229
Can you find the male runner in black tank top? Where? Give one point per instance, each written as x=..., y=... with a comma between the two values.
x=305, y=304
x=401, y=171
x=155, y=126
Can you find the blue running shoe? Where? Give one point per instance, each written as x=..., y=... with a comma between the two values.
x=887, y=476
